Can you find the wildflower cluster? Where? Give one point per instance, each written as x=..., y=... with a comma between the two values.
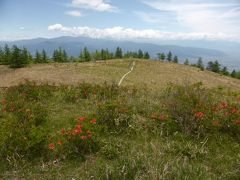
x=76, y=140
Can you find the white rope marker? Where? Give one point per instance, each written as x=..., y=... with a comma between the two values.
x=131, y=69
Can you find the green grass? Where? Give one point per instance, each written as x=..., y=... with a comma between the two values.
x=130, y=143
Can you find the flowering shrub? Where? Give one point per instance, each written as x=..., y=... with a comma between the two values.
x=197, y=110
x=24, y=115
x=74, y=141
x=114, y=116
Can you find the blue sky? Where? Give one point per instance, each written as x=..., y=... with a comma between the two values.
x=121, y=19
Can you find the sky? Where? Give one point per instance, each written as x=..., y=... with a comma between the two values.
x=121, y=19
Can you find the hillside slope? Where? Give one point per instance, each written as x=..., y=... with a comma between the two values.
x=151, y=74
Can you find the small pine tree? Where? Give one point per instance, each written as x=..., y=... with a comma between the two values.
x=64, y=56
x=234, y=74
x=1, y=56
x=19, y=58
x=38, y=57
x=169, y=56
x=200, y=64
x=224, y=71
x=186, y=62
x=146, y=55
x=7, y=55
x=86, y=54
x=44, y=56
x=175, y=59
x=140, y=54
x=118, y=53
x=214, y=66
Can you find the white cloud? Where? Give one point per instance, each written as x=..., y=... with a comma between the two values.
x=133, y=34
x=203, y=16
x=21, y=28
x=97, y=5
x=74, y=13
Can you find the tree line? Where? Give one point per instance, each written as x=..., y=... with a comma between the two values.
x=17, y=57
x=213, y=66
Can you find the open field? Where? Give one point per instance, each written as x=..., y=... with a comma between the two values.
x=145, y=129
x=152, y=74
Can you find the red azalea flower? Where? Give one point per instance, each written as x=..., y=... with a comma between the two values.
x=79, y=126
x=93, y=121
x=234, y=110
x=237, y=122
x=83, y=137
x=51, y=146
x=77, y=131
x=81, y=119
x=4, y=102
x=216, y=123
x=223, y=105
x=199, y=115
x=60, y=142
x=63, y=131
x=154, y=116
x=162, y=117
x=226, y=114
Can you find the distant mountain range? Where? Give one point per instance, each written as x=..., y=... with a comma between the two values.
x=226, y=53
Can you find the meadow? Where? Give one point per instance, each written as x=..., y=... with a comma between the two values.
x=71, y=120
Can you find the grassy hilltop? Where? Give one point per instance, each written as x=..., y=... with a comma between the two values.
x=166, y=121
x=151, y=74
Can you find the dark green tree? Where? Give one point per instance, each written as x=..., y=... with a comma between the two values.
x=214, y=66
x=1, y=55
x=38, y=57
x=146, y=55
x=85, y=55
x=169, y=56
x=140, y=54
x=118, y=53
x=200, y=64
x=44, y=56
x=64, y=56
x=234, y=74
x=175, y=59
x=19, y=58
x=224, y=71
x=186, y=62
x=7, y=55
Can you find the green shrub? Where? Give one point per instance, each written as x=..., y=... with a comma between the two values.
x=198, y=110
x=22, y=125
x=114, y=115
x=74, y=140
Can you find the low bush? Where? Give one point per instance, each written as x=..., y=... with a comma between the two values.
x=198, y=110
x=74, y=141
x=22, y=124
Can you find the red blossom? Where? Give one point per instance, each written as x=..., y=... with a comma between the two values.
x=79, y=126
x=60, y=142
x=199, y=115
x=83, y=137
x=223, y=105
x=234, y=111
x=81, y=119
x=77, y=131
x=51, y=146
x=4, y=102
x=93, y=121
x=237, y=122
x=154, y=116
x=226, y=114
x=216, y=123
x=63, y=131
x=162, y=117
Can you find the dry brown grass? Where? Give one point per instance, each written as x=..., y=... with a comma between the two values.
x=151, y=74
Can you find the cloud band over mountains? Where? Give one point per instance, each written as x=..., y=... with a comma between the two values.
x=121, y=33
